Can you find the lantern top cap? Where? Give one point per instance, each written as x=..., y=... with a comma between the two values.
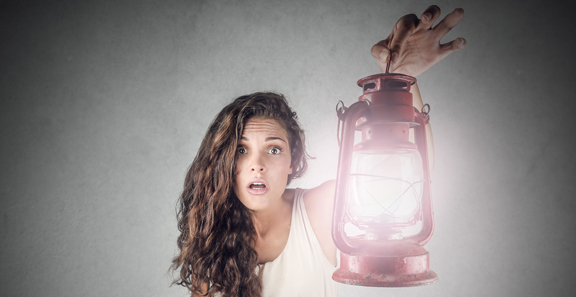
x=376, y=82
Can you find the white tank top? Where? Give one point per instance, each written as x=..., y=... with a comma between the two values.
x=302, y=269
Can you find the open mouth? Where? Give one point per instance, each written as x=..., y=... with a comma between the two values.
x=257, y=186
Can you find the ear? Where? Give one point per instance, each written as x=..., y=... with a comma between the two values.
x=290, y=170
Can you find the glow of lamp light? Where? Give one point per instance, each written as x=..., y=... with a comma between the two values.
x=383, y=188
x=387, y=189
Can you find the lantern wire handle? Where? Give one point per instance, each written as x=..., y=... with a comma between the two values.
x=425, y=112
x=340, y=111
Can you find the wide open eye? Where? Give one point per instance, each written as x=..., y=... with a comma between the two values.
x=241, y=150
x=275, y=150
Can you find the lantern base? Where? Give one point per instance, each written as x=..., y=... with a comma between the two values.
x=399, y=263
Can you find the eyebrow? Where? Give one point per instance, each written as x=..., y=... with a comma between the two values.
x=267, y=139
x=275, y=138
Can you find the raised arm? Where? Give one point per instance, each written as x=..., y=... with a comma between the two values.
x=414, y=46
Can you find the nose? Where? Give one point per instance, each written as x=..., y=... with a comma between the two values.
x=257, y=165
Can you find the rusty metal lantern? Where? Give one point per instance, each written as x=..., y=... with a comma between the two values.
x=383, y=188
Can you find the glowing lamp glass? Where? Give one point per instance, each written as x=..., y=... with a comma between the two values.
x=385, y=189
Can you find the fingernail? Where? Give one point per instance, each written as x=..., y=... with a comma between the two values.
x=427, y=16
x=383, y=56
x=463, y=41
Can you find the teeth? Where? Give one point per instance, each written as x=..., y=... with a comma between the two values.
x=257, y=185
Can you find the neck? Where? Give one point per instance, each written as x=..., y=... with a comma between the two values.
x=277, y=216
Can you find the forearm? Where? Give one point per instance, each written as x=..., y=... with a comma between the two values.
x=417, y=102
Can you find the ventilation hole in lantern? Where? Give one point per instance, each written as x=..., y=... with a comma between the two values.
x=397, y=84
x=369, y=86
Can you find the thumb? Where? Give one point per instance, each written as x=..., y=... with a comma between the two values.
x=380, y=51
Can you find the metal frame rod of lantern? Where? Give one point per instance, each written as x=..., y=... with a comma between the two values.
x=383, y=256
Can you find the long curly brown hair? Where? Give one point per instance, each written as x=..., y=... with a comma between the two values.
x=217, y=236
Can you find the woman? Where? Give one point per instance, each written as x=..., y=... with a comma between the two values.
x=243, y=233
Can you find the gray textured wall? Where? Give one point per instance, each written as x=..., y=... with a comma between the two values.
x=104, y=103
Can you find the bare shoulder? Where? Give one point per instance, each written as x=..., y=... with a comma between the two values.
x=319, y=202
x=320, y=198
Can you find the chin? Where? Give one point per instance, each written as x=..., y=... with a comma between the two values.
x=257, y=202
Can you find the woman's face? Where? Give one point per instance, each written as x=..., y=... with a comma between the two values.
x=262, y=164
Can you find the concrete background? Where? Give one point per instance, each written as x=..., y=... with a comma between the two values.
x=104, y=104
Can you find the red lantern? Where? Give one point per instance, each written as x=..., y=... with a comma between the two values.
x=383, y=188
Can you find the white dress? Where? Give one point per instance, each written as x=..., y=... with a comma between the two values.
x=302, y=269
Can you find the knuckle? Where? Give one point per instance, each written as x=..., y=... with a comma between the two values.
x=383, y=43
x=379, y=47
x=407, y=22
x=434, y=9
x=375, y=50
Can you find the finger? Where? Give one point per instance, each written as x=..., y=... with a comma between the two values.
x=452, y=46
x=448, y=22
x=402, y=30
x=380, y=51
x=429, y=16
